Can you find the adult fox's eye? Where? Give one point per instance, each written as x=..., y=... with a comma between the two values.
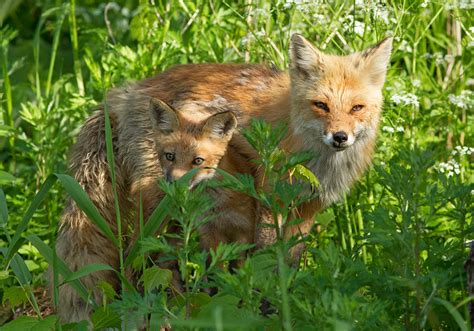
x=321, y=105
x=169, y=156
x=357, y=108
x=198, y=161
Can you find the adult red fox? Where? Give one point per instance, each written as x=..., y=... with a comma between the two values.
x=331, y=104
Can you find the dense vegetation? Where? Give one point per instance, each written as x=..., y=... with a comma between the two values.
x=390, y=254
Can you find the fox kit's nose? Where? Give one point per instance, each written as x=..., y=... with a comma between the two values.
x=340, y=137
x=169, y=178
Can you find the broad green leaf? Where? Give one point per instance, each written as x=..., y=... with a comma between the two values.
x=104, y=317
x=4, y=274
x=156, y=277
x=28, y=323
x=107, y=289
x=86, y=270
x=5, y=177
x=301, y=172
x=23, y=323
x=19, y=268
x=47, y=324
x=16, y=295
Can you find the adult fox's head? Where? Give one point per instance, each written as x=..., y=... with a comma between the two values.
x=183, y=143
x=337, y=100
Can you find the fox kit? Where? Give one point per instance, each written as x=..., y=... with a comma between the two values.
x=331, y=104
x=184, y=143
x=151, y=141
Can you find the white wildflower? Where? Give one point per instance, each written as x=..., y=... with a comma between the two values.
x=416, y=83
x=405, y=47
x=405, y=99
x=424, y=4
x=400, y=129
x=462, y=150
x=463, y=100
x=388, y=129
x=451, y=167
x=471, y=29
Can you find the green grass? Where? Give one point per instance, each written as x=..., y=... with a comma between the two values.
x=390, y=254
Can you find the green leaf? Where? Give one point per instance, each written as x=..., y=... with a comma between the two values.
x=4, y=274
x=14, y=245
x=86, y=270
x=6, y=178
x=301, y=172
x=151, y=227
x=28, y=323
x=15, y=294
x=155, y=277
x=107, y=289
x=454, y=313
x=47, y=324
x=23, y=323
x=19, y=268
x=3, y=209
x=104, y=317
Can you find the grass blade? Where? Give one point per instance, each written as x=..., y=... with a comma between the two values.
x=454, y=313
x=151, y=227
x=13, y=246
x=63, y=269
x=85, y=204
x=86, y=270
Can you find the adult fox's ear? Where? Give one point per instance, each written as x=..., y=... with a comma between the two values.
x=305, y=60
x=221, y=125
x=376, y=59
x=164, y=118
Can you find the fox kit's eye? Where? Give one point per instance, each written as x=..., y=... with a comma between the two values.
x=357, y=108
x=169, y=156
x=198, y=161
x=321, y=105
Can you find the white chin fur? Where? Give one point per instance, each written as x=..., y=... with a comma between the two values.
x=199, y=178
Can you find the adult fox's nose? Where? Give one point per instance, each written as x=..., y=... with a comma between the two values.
x=340, y=137
x=169, y=178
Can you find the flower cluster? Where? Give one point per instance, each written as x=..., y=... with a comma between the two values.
x=462, y=150
x=390, y=129
x=450, y=168
x=405, y=99
x=252, y=36
x=463, y=100
x=439, y=58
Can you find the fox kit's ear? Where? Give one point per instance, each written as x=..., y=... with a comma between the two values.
x=164, y=118
x=305, y=59
x=220, y=126
x=376, y=60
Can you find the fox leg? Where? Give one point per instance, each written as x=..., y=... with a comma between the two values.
x=79, y=241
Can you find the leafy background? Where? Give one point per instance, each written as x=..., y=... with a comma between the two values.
x=390, y=254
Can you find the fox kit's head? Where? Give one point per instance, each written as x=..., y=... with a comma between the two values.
x=337, y=100
x=183, y=144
